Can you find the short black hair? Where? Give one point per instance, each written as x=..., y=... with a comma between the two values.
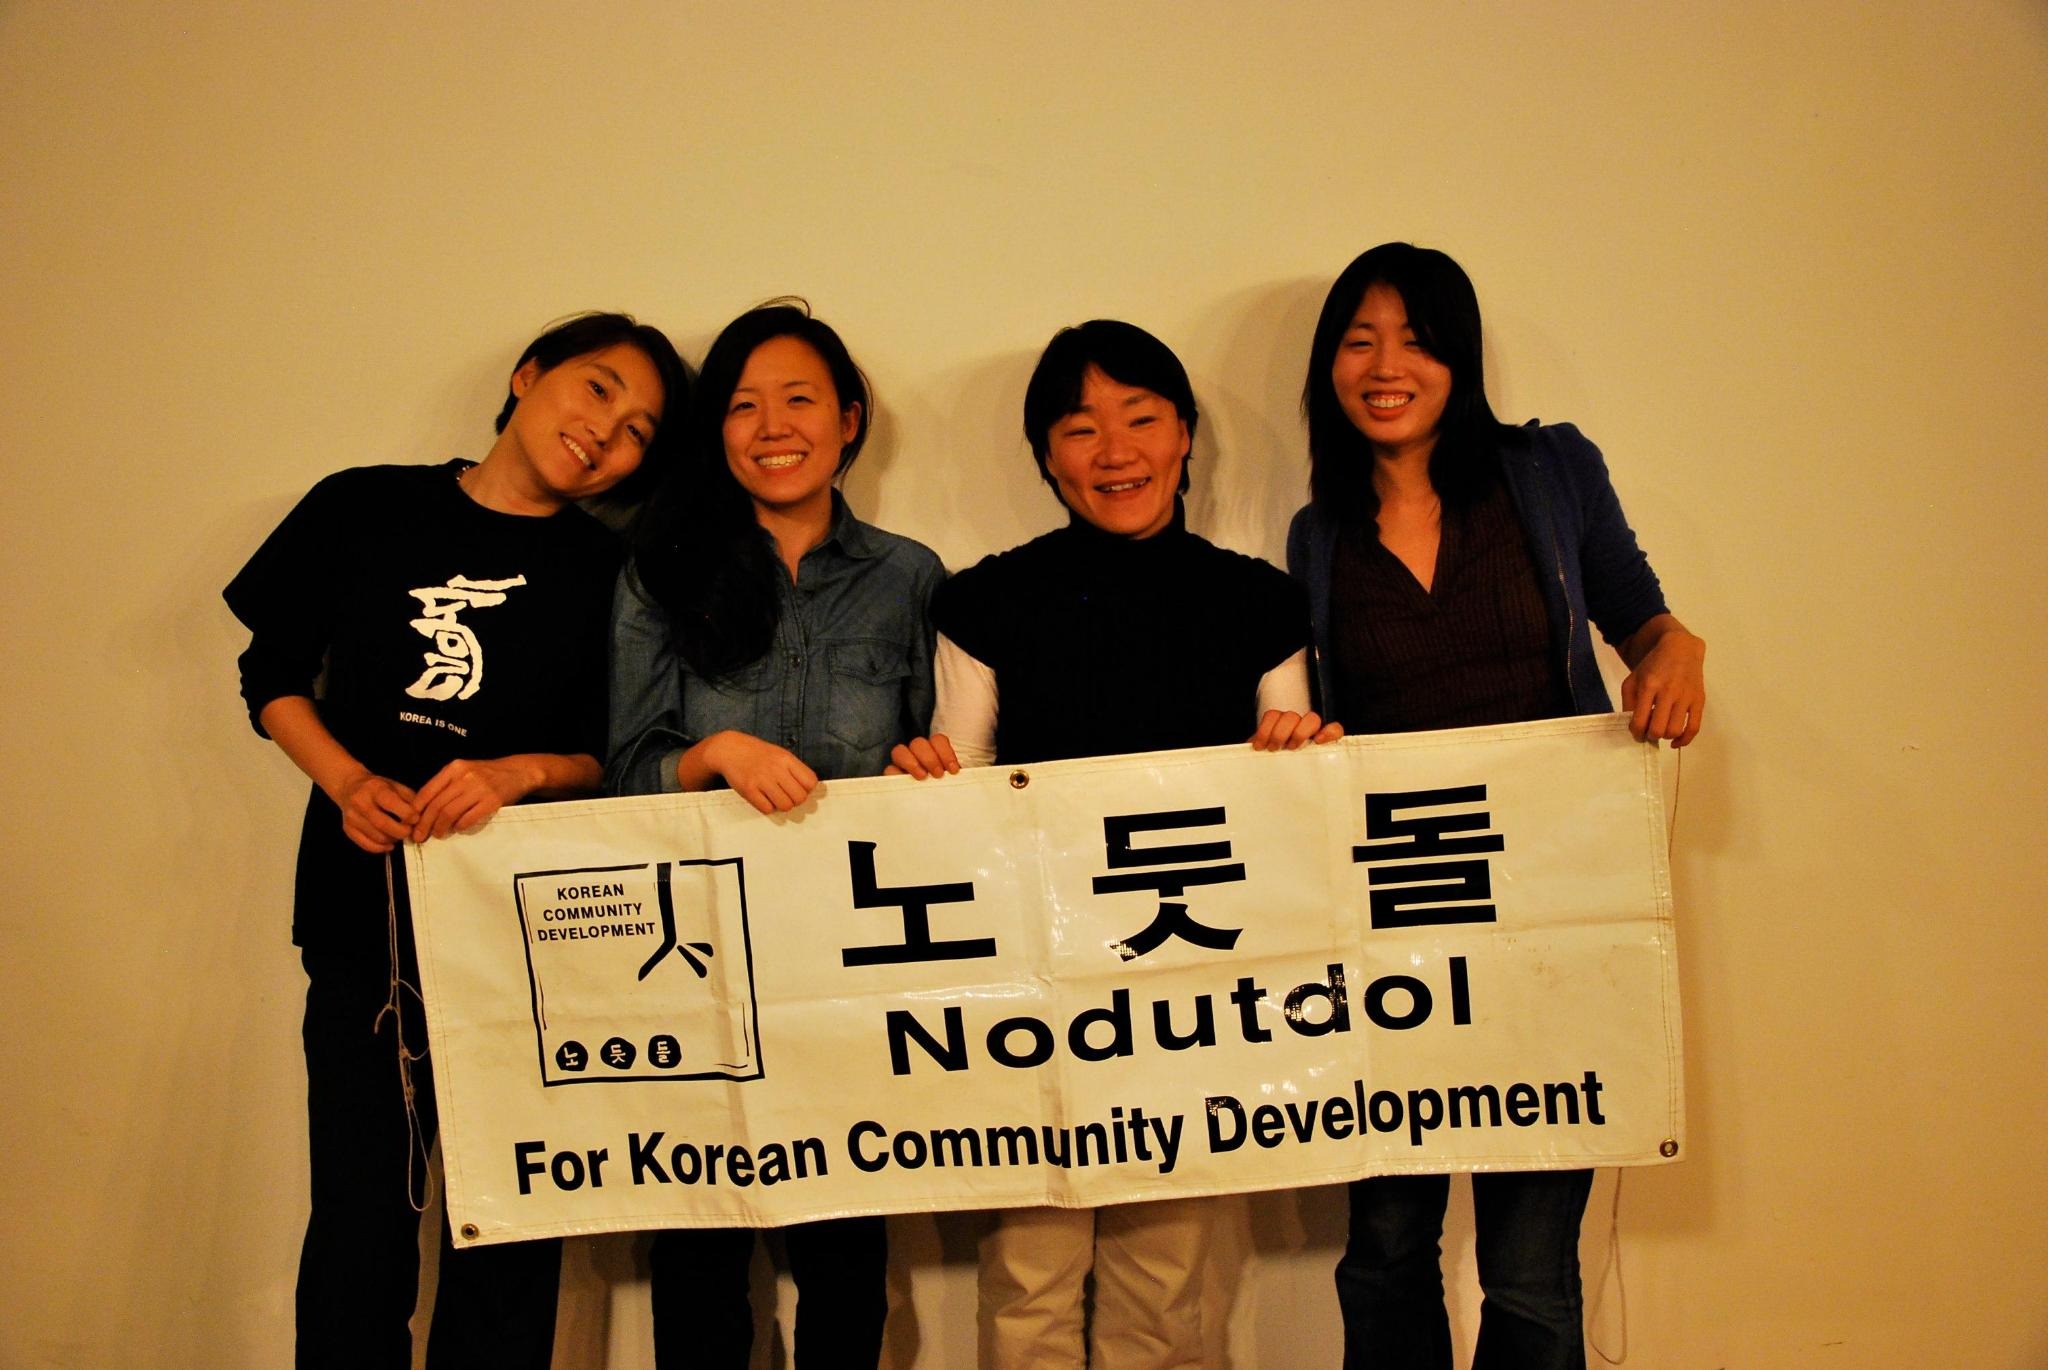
x=1123, y=352
x=579, y=335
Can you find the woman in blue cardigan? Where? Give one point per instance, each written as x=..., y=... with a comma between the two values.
x=1455, y=567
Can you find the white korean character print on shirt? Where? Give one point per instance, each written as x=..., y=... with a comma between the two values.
x=455, y=666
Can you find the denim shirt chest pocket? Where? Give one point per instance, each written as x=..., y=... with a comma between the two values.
x=866, y=678
x=745, y=700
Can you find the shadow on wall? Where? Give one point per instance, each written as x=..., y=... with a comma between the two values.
x=979, y=494
x=1251, y=472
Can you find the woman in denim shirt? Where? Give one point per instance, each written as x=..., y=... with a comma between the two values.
x=764, y=638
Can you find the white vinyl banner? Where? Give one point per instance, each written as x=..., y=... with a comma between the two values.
x=1078, y=983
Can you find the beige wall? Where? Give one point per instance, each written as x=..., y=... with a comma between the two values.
x=1783, y=262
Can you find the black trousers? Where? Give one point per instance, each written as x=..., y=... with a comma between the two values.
x=359, y=1267
x=702, y=1320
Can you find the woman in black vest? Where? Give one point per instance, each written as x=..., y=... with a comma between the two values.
x=1121, y=632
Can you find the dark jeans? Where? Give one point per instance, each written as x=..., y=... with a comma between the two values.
x=359, y=1267
x=1390, y=1281
x=702, y=1320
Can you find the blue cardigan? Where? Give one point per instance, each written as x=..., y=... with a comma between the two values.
x=1589, y=566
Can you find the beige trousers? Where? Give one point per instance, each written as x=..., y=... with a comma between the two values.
x=1147, y=1260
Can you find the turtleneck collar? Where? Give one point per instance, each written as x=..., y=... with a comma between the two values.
x=1104, y=544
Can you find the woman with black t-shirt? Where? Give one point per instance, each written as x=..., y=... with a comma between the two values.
x=427, y=645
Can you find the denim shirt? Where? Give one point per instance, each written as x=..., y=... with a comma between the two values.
x=848, y=677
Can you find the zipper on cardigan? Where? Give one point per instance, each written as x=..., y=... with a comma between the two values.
x=1571, y=617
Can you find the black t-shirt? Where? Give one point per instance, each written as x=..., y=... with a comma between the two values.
x=1103, y=644
x=445, y=630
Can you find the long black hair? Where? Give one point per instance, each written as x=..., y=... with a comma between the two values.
x=581, y=334
x=698, y=548
x=1125, y=353
x=1443, y=311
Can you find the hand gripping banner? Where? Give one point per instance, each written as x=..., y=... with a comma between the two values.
x=1080, y=983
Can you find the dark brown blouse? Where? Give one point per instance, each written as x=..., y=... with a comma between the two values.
x=1475, y=648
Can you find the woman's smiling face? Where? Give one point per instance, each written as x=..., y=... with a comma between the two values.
x=1117, y=458
x=583, y=426
x=784, y=427
x=1387, y=383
